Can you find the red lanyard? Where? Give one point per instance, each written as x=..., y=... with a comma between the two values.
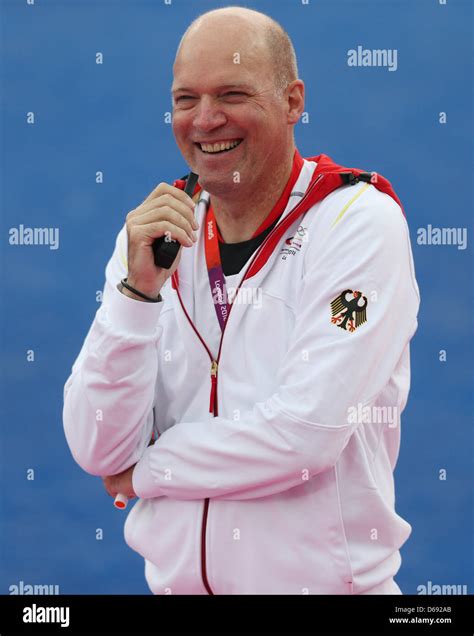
x=211, y=244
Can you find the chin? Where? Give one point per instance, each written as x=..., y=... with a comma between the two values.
x=217, y=186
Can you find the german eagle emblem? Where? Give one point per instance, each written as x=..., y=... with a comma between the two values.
x=349, y=310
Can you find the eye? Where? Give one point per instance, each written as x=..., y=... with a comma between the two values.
x=181, y=97
x=233, y=93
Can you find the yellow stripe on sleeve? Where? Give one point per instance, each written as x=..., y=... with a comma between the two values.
x=349, y=203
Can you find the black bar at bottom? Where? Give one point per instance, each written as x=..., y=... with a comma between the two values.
x=292, y=614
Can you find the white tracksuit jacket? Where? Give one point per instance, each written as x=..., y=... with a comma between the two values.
x=289, y=489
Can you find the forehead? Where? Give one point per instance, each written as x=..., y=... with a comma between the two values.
x=225, y=54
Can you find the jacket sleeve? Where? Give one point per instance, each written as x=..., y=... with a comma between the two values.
x=302, y=429
x=109, y=396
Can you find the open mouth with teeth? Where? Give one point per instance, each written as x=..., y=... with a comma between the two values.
x=225, y=146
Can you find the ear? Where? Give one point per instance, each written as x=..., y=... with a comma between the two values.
x=295, y=98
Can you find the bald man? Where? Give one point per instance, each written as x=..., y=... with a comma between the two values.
x=270, y=363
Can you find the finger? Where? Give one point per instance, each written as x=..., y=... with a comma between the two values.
x=163, y=214
x=166, y=188
x=164, y=228
x=108, y=488
x=165, y=201
x=171, y=201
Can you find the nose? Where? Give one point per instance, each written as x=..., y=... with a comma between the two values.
x=208, y=115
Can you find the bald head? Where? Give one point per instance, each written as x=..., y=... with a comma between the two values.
x=235, y=81
x=259, y=29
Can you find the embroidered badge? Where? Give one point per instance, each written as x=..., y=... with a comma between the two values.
x=348, y=310
x=294, y=243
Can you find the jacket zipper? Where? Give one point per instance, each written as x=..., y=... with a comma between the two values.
x=213, y=403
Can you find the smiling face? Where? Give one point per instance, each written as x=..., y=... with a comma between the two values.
x=224, y=100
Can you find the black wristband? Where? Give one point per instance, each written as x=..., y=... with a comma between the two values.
x=123, y=283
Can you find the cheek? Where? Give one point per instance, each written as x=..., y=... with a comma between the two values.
x=180, y=126
x=259, y=121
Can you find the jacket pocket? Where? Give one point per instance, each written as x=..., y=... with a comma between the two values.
x=166, y=532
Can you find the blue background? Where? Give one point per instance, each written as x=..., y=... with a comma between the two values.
x=110, y=118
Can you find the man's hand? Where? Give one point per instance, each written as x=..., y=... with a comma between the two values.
x=122, y=482
x=169, y=212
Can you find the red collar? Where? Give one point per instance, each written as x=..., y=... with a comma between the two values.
x=280, y=205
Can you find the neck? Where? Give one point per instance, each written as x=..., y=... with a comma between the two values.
x=239, y=217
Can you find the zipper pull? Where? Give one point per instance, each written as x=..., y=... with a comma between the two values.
x=214, y=367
